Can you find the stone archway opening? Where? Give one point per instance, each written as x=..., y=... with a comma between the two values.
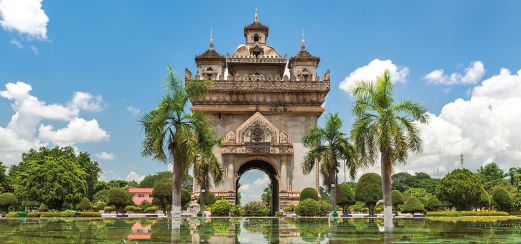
x=268, y=170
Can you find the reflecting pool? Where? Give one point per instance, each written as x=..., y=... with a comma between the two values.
x=256, y=230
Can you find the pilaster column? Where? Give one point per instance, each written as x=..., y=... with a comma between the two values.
x=283, y=175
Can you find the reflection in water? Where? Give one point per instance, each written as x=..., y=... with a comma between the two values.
x=255, y=230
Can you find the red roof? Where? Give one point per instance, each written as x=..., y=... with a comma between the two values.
x=140, y=190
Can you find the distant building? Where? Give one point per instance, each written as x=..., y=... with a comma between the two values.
x=141, y=194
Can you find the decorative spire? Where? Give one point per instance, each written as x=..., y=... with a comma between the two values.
x=211, y=39
x=302, y=45
x=256, y=16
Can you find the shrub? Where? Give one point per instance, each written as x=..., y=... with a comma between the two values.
x=12, y=215
x=485, y=199
x=433, y=204
x=325, y=208
x=357, y=207
x=90, y=214
x=462, y=188
x=151, y=209
x=185, y=197
x=221, y=207
x=466, y=213
x=108, y=208
x=279, y=214
x=58, y=214
x=99, y=205
x=119, y=197
x=369, y=190
x=309, y=193
x=256, y=208
x=131, y=208
x=7, y=199
x=84, y=204
x=237, y=211
x=501, y=198
x=210, y=199
x=43, y=208
x=34, y=214
x=145, y=204
x=412, y=205
x=290, y=208
x=308, y=207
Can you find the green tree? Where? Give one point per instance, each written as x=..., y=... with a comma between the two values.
x=402, y=181
x=346, y=196
x=162, y=193
x=7, y=199
x=421, y=176
x=324, y=195
x=328, y=146
x=150, y=180
x=491, y=175
x=266, y=196
x=5, y=182
x=460, y=187
x=512, y=172
x=433, y=204
x=52, y=176
x=185, y=197
x=117, y=183
x=485, y=199
x=430, y=185
x=308, y=193
x=84, y=204
x=413, y=205
x=502, y=199
x=170, y=129
x=398, y=200
x=369, y=190
x=119, y=197
x=207, y=168
x=92, y=170
x=385, y=128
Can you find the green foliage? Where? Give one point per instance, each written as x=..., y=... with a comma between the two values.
x=7, y=199
x=237, y=211
x=12, y=215
x=162, y=193
x=491, y=175
x=417, y=192
x=311, y=207
x=99, y=205
x=43, y=208
x=466, y=213
x=151, y=209
x=84, y=204
x=150, y=180
x=433, y=204
x=266, y=195
x=485, y=200
x=430, y=185
x=324, y=195
x=92, y=170
x=256, y=208
x=210, y=198
x=101, y=195
x=308, y=193
x=221, y=207
x=279, y=214
x=34, y=214
x=172, y=132
x=90, y=214
x=413, y=205
x=108, y=208
x=358, y=207
x=421, y=176
x=345, y=195
x=290, y=208
x=398, y=199
x=53, y=176
x=516, y=202
x=145, y=204
x=369, y=189
x=185, y=197
x=5, y=180
x=131, y=208
x=502, y=199
x=462, y=188
x=403, y=181
x=119, y=197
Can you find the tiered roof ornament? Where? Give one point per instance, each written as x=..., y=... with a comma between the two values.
x=210, y=54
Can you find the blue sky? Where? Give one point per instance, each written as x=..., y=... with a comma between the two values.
x=118, y=50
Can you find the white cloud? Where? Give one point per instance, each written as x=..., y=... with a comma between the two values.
x=105, y=156
x=373, y=69
x=77, y=131
x=86, y=101
x=473, y=74
x=135, y=176
x=25, y=130
x=133, y=110
x=17, y=43
x=483, y=129
x=253, y=191
x=24, y=16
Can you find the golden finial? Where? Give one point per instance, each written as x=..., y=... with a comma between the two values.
x=256, y=15
x=211, y=38
x=302, y=41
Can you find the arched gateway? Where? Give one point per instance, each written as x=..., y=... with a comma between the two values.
x=261, y=103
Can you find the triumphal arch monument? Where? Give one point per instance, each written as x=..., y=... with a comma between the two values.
x=261, y=103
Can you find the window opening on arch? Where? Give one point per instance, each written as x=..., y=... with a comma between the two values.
x=256, y=38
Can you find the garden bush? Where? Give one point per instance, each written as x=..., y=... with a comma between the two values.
x=413, y=205
x=34, y=214
x=131, y=208
x=151, y=209
x=90, y=214
x=357, y=207
x=466, y=213
x=256, y=208
x=310, y=207
x=433, y=204
x=237, y=211
x=325, y=208
x=7, y=199
x=12, y=215
x=502, y=199
x=290, y=208
x=99, y=205
x=84, y=204
x=57, y=214
x=221, y=207
x=145, y=204
x=279, y=214
x=108, y=208
x=43, y=208
x=309, y=193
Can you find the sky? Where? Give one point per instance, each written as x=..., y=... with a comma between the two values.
x=81, y=73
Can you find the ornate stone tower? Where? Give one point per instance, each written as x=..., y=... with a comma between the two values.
x=261, y=113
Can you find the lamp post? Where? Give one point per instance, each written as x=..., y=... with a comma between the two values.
x=201, y=199
x=334, y=214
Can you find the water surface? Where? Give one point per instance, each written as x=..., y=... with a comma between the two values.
x=255, y=230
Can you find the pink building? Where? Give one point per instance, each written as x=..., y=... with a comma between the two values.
x=141, y=194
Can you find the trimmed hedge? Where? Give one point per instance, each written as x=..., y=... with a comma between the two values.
x=90, y=214
x=221, y=207
x=466, y=213
x=12, y=215
x=256, y=208
x=309, y=193
x=54, y=214
x=310, y=207
x=237, y=211
x=151, y=209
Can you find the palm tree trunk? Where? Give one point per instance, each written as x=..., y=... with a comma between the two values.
x=202, y=196
x=333, y=189
x=176, y=188
x=386, y=186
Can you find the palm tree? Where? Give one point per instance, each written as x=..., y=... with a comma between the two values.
x=328, y=146
x=207, y=167
x=170, y=131
x=386, y=129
